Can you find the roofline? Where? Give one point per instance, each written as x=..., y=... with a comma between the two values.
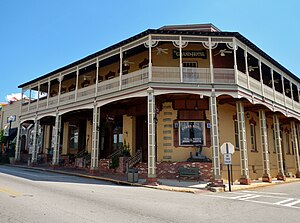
x=171, y=32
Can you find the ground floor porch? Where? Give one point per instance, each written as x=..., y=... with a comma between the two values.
x=166, y=131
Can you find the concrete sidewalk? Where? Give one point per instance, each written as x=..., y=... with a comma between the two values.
x=164, y=184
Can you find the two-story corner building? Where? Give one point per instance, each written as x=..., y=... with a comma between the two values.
x=164, y=93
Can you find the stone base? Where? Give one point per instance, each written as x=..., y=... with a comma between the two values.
x=151, y=181
x=267, y=178
x=217, y=183
x=298, y=174
x=245, y=181
x=94, y=171
x=280, y=176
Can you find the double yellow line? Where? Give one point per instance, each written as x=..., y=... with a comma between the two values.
x=10, y=192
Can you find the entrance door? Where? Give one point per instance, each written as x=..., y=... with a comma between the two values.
x=142, y=136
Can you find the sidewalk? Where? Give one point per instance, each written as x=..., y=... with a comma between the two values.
x=164, y=184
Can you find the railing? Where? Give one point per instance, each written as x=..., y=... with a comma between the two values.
x=134, y=160
x=109, y=86
x=115, y=153
x=163, y=75
x=135, y=78
x=166, y=74
x=242, y=79
x=224, y=76
x=196, y=75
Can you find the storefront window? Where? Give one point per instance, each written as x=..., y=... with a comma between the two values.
x=191, y=133
x=73, y=143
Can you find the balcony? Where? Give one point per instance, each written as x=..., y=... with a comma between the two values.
x=171, y=75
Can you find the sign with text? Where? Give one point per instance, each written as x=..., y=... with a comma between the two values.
x=227, y=147
x=227, y=159
x=190, y=54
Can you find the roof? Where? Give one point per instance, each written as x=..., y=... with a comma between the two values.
x=166, y=30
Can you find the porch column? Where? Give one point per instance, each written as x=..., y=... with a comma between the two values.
x=121, y=69
x=214, y=132
x=48, y=92
x=150, y=58
x=235, y=67
x=296, y=148
x=245, y=179
x=280, y=175
x=95, y=139
x=151, y=137
x=34, y=144
x=18, y=143
x=180, y=59
x=56, y=137
x=264, y=145
x=76, y=87
x=211, y=66
x=247, y=68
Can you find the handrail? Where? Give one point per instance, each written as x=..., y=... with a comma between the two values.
x=134, y=160
x=115, y=153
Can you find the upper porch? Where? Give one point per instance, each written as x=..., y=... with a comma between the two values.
x=225, y=62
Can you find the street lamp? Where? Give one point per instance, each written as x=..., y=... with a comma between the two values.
x=9, y=119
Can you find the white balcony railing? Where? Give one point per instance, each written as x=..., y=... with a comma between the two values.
x=163, y=75
x=224, y=76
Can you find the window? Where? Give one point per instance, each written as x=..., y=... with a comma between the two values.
x=190, y=64
x=73, y=143
x=253, y=138
x=192, y=133
x=236, y=135
x=274, y=143
x=287, y=142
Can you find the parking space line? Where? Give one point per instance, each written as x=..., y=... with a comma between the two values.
x=284, y=201
x=292, y=203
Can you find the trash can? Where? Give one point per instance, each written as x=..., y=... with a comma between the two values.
x=133, y=176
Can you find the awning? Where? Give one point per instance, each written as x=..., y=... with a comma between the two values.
x=12, y=134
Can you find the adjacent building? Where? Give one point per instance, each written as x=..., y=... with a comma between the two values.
x=170, y=95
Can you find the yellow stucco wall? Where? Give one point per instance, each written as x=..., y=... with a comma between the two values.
x=65, y=145
x=129, y=132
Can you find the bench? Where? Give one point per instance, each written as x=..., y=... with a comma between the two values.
x=188, y=172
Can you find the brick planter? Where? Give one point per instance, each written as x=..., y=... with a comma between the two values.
x=169, y=170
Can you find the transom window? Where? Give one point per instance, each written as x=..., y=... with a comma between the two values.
x=190, y=64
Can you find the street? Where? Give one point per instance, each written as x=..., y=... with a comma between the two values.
x=28, y=195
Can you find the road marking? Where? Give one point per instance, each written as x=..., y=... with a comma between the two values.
x=249, y=197
x=241, y=196
x=284, y=201
x=292, y=203
x=10, y=192
x=261, y=192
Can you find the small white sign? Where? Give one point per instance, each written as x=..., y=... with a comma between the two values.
x=227, y=159
x=227, y=147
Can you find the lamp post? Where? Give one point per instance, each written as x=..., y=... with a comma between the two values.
x=10, y=119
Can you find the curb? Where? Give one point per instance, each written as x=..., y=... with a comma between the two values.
x=119, y=182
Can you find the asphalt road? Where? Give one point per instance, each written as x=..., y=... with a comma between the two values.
x=36, y=196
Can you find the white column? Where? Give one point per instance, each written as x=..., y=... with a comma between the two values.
x=95, y=138
x=211, y=66
x=243, y=143
x=292, y=96
x=150, y=58
x=214, y=132
x=76, y=87
x=264, y=145
x=56, y=136
x=34, y=144
x=247, y=70
x=261, y=78
x=273, y=84
x=59, y=88
x=97, y=76
x=48, y=93
x=18, y=143
x=296, y=148
x=235, y=67
x=38, y=96
x=151, y=135
x=29, y=99
x=280, y=175
x=283, y=89
x=121, y=68
x=180, y=59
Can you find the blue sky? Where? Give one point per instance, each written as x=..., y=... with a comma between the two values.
x=39, y=36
